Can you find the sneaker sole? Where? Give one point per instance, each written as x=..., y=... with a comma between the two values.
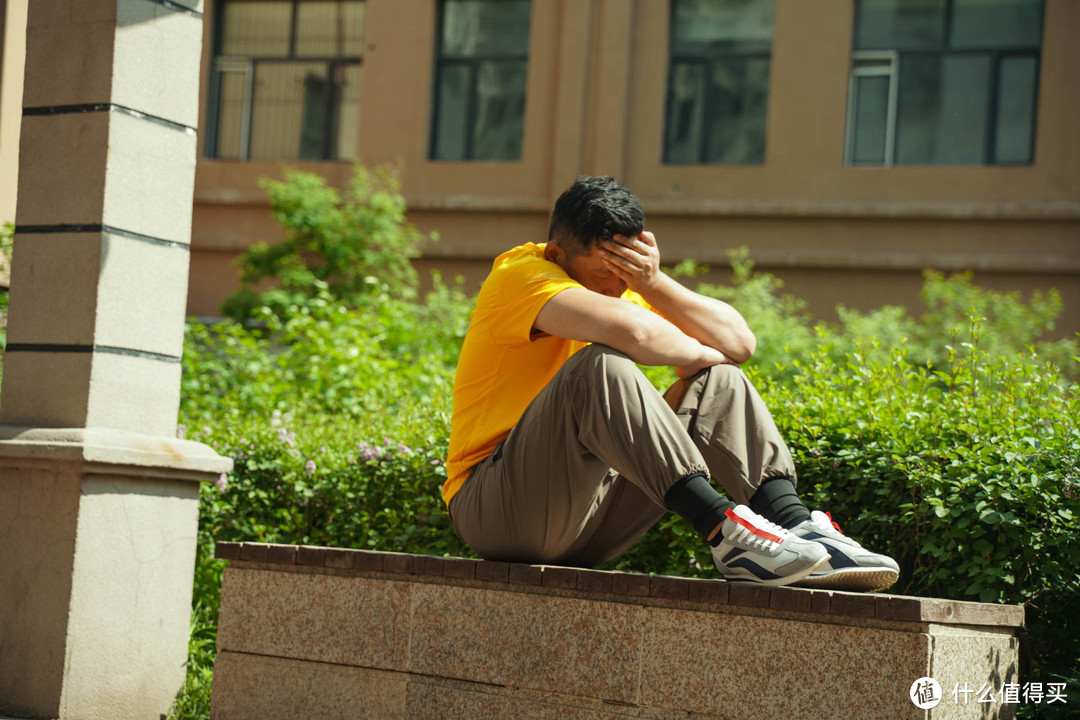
x=778, y=582
x=856, y=579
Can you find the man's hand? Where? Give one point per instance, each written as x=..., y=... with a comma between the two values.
x=634, y=259
x=709, y=357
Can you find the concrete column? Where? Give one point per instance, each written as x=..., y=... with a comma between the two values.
x=98, y=500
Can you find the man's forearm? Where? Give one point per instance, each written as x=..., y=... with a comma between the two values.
x=586, y=316
x=655, y=341
x=710, y=321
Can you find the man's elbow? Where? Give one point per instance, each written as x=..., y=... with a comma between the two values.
x=639, y=331
x=743, y=346
x=638, y=334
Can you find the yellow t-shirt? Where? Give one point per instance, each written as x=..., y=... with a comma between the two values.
x=503, y=363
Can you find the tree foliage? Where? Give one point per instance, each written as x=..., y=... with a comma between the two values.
x=355, y=243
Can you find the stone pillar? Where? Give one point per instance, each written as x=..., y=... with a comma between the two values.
x=98, y=499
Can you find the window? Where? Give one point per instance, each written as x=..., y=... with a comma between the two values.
x=285, y=83
x=718, y=84
x=480, y=79
x=944, y=82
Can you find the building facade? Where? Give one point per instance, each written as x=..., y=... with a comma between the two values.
x=12, y=55
x=848, y=144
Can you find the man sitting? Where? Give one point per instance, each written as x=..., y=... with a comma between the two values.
x=561, y=452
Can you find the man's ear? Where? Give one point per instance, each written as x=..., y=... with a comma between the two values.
x=554, y=253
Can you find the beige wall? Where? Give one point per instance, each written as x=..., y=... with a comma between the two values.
x=597, y=73
x=12, y=54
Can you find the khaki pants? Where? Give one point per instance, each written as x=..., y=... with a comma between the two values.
x=583, y=474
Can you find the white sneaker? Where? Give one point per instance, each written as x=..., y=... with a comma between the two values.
x=850, y=566
x=756, y=550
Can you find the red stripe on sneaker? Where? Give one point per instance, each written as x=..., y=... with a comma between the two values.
x=751, y=527
x=835, y=524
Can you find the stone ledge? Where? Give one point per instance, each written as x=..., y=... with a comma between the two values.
x=627, y=586
x=116, y=452
x=311, y=631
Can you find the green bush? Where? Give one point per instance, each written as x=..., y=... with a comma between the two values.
x=323, y=357
x=787, y=333
x=968, y=474
x=783, y=326
x=337, y=420
x=1009, y=326
x=358, y=243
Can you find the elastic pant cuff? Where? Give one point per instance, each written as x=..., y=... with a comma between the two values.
x=777, y=500
x=697, y=501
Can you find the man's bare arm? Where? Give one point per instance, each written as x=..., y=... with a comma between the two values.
x=647, y=338
x=710, y=321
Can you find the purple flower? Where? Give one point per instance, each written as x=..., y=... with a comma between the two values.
x=275, y=418
x=404, y=449
x=309, y=467
x=222, y=482
x=436, y=462
x=815, y=452
x=369, y=452
x=286, y=437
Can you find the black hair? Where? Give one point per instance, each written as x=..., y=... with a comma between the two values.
x=594, y=208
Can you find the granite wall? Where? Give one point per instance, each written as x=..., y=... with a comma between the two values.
x=327, y=633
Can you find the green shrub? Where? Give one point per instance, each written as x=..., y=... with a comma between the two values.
x=335, y=484
x=337, y=420
x=968, y=474
x=786, y=332
x=323, y=357
x=358, y=243
x=784, y=327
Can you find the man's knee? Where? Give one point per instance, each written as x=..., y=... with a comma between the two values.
x=716, y=377
x=727, y=375
x=600, y=361
x=598, y=351
x=725, y=381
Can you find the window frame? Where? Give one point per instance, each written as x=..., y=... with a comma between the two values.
x=888, y=66
x=995, y=55
x=473, y=62
x=221, y=64
x=706, y=59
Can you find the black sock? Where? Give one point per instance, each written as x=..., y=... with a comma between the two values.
x=777, y=500
x=698, y=502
